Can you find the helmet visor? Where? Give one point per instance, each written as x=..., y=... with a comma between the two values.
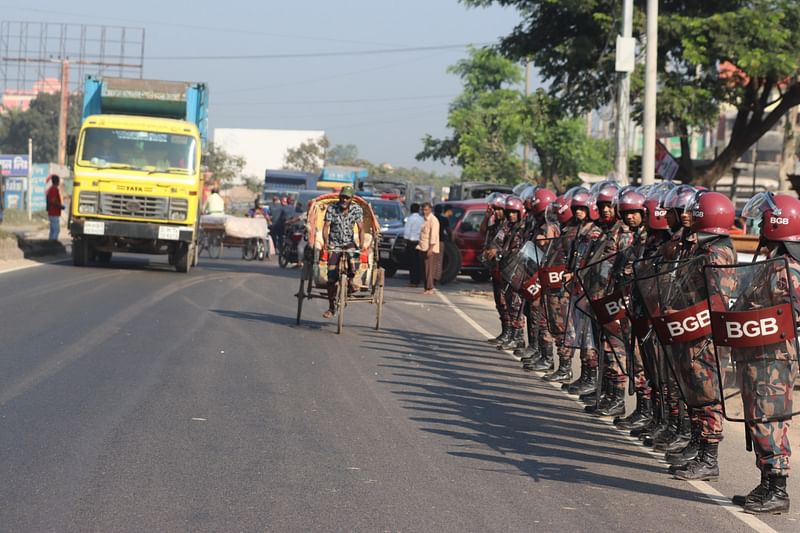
x=573, y=191
x=600, y=185
x=551, y=213
x=659, y=191
x=758, y=204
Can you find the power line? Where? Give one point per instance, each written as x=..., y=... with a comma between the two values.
x=340, y=75
x=297, y=55
x=369, y=112
x=192, y=26
x=344, y=101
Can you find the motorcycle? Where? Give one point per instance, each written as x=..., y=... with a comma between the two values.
x=290, y=249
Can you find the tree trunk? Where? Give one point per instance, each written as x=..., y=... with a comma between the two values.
x=750, y=125
x=686, y=154
x=789, y=152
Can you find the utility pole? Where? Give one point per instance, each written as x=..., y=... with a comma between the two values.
x=626, y=62
x=29, y=194
x=525, y=147
x=62, y=113
x=651, y=60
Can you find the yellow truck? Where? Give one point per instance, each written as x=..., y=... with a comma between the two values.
x=137, y=178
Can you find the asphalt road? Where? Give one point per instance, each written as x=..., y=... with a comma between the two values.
x=133, y=398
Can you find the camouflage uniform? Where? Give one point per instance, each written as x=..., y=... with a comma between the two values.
x=579, y=332
x=512, y=242
x=648, y=370
x=766, y=378
x=496, y=231
x=557, y=303
x=535, y=311
x=699, y=370
x=617, y=334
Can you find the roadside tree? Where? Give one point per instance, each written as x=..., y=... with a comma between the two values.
x=739, y=53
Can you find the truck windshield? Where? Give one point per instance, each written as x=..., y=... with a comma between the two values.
x=144, y=150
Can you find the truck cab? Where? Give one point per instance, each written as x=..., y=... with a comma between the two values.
x=138, y=185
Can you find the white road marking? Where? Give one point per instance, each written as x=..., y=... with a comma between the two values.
x=198, y=419
x=701, y=486
x=463, y=315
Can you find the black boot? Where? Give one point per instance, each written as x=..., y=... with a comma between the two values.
x=647, y=430
x=685, y=454
x=566, y=386
x=515, y=340
x=677, y=439
x=502, y=337
x=564, y=372
x=640, y=417
x=704, y=467
x=590, y=397
x=545, y=362
x=589, y=384
x=575, y=385
x=757, y=493
x=774, y=501
x=529, y=355
x=616, y=405
x=664, y=434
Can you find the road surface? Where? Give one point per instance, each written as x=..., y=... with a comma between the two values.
x=133, y=398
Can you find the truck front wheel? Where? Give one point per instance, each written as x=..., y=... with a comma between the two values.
x=183, y=255
x=80, y=251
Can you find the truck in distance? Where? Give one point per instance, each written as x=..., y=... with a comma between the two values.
x=138, y=182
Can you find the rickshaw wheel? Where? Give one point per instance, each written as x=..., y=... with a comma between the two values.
x=300, y=298
x=214, y=246
x=342, y=301
x=379, y=299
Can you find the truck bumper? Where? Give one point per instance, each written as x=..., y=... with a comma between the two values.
x=131, y=230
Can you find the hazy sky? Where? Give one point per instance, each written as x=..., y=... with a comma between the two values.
x=383, y=103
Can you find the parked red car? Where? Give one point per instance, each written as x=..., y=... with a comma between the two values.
x=465, y=224
x=461, y=252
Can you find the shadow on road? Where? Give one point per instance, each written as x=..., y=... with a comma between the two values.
x=253, y=316
x=510, y=421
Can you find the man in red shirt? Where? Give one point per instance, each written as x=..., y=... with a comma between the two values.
x=54, y=207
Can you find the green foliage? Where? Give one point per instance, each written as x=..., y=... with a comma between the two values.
x=39, y=123
x=571, y=43
x=486, y=120
x=307, y=157
x=343, y=154
x=223, y=166
x=562, y=144
x=490, y=120
x=254, y=184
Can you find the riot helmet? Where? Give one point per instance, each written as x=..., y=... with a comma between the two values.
x=711, y=212
x=656, y=215
x=541, y=199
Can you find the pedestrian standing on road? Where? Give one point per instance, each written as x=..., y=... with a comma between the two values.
x=54, y=207
x=411, y=236
x=442, y=213
x=429, y=245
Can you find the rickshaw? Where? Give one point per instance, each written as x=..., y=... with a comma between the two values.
x=369, y=280
x=249, y=234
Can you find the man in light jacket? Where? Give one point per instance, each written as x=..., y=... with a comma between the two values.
x=411, y=236
x=429, y=245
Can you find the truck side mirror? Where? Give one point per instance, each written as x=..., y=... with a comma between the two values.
x=72, y=145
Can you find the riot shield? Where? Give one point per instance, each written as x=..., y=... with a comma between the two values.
x=753, y=320
x=674, y=297
x=605, y=294
x=522, y=265
x=551, y=278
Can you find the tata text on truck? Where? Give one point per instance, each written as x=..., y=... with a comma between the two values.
x=137, y=170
